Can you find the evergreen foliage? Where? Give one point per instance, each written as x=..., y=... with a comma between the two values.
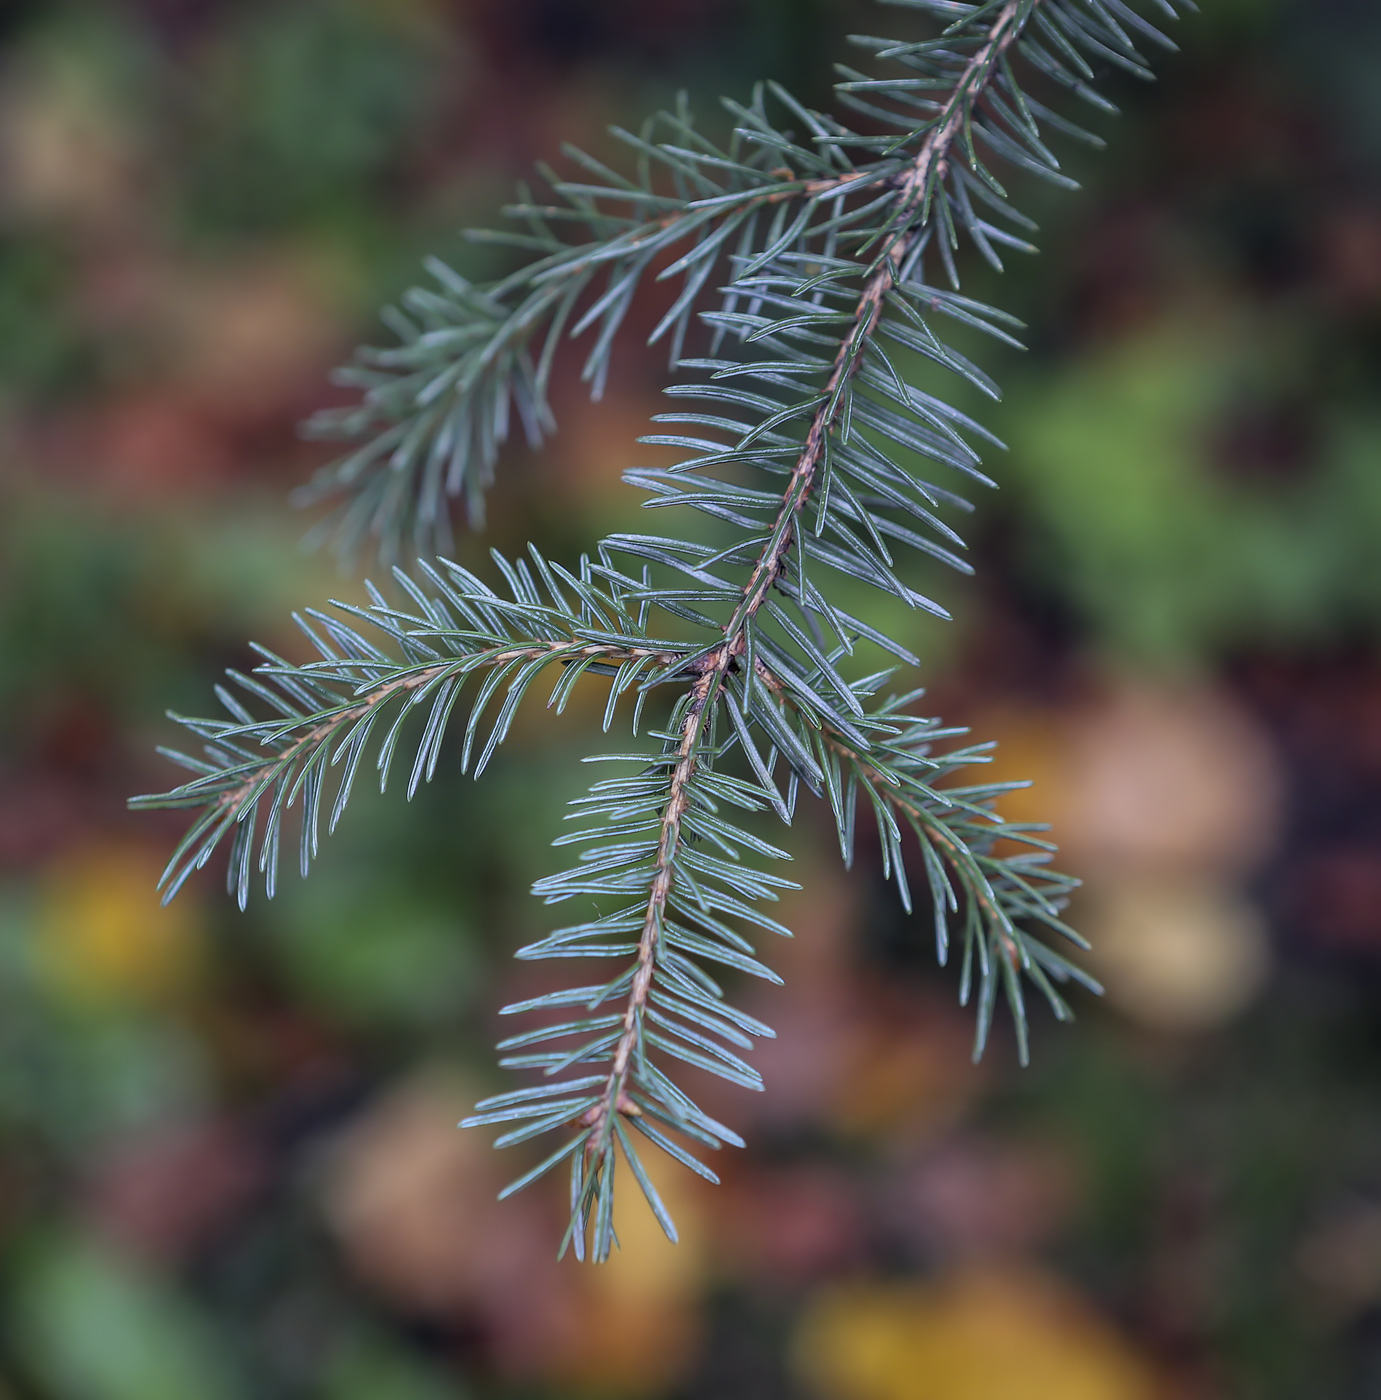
x=823, y=263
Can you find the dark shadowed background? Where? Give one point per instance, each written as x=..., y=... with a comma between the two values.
x=228, y=1162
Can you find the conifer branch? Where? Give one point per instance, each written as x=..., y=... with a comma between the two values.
x=808, y=438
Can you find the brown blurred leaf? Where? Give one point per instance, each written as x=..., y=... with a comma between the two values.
x=413, y=1202
x=1168, y=778
x=975, y=1199
x=163, y=1194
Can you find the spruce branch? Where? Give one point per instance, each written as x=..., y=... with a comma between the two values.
x=915, y=189
x=808, y=432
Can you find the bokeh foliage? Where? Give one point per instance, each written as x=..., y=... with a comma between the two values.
x=1211, y=1191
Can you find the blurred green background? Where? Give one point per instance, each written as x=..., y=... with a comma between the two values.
x=228, y=1165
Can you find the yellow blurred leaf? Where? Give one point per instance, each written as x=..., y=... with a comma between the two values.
x=1032, y=748
x=638, y=1313
x=1008, y=1334
x=102, y=933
